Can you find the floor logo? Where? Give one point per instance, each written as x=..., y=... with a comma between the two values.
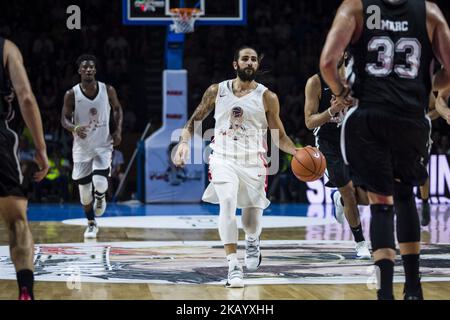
x=202, y=262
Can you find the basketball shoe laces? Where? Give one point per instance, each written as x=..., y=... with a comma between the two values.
x=100, y=201
x=252, y=248
x=235, y=273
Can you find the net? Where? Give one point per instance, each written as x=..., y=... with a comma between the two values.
x=184, y=19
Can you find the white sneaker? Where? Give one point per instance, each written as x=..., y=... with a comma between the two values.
x=91, y=232
x=338, y=208
x=252, y=253
x=235, y=277
x=99, y=205
x=362, y=250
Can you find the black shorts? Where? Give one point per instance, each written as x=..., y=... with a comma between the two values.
x=337, y=171
x=10, y=172
x=381, y=148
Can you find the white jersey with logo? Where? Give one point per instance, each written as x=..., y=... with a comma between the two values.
x=239, y=147
x=93, y=113
x=240, y=131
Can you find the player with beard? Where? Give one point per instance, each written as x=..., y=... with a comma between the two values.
x=243, y=110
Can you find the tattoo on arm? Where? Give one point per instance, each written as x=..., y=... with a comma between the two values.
x=205, y=107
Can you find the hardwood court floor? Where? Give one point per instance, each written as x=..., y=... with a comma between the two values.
x=56, y=232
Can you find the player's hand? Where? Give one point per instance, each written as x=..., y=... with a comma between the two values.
x=42, y=162
x=346, y=99
x=117, y=138
x=181, y=154
x=81, y=131
x=338, y=105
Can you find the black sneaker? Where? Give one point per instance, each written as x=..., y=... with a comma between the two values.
x=383, y=297
x=413, y=295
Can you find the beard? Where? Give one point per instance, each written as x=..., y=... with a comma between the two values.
x=246, y=76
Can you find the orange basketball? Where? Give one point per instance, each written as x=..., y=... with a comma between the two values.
x=308, y=164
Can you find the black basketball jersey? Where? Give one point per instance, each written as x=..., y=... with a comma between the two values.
x=392, y=63
x=329, y=130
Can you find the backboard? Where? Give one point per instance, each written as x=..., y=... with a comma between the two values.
x=157, y=12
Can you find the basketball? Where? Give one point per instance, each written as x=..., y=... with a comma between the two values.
x=308, y=164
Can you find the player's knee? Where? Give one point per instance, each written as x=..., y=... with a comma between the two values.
x=100, y=183
x=227, y=202
x=408, y=223
x=382, y=227
x=85, y=194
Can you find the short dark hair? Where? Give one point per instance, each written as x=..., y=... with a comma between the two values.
x=86, y=57
x=238, y=52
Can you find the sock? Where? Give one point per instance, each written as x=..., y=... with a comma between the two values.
x=411, y=266
x=357, y=233
x=386, y=291
x=232, y=260
x=90, y=214
x=25, y=278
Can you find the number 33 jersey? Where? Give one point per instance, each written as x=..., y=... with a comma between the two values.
x=392, y=58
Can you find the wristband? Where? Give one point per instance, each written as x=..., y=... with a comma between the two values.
x=329, y=112
x=75, y=128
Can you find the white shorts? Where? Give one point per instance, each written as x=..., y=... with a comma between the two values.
x=101, y=161
x=250, y=181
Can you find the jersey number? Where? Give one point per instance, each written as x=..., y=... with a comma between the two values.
x=386, y=51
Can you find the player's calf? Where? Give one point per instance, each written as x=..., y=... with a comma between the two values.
x=383, y=246
x=408, y=234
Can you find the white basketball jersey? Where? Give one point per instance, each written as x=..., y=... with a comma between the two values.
x=240, y=131
x=93, y=113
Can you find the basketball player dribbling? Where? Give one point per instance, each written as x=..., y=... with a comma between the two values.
x=13, y=201
x=243, y=111
x=385, y=138
x=325, y=116
x=86, y=113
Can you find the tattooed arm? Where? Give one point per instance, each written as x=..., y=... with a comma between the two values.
x=203, y=110
x=205, y=107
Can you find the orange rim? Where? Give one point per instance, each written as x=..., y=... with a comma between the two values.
x=185, y=11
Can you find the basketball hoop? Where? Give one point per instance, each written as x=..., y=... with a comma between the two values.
x=184, y=19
